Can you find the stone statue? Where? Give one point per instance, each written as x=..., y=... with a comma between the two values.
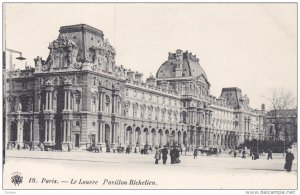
x=19, y=108
x=62, y=50
x=179, y=58
x=39, y=62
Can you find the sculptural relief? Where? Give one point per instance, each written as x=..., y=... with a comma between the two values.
x=39, y=62
x=63, y=52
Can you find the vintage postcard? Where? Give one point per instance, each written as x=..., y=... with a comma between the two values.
x=150, y=96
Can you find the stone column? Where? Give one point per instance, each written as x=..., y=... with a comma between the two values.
x=161, y=141
x=19, y=132
x=31, y=130
x=157, y=138
x=133, y=135
x=112, y=106
x=205, y=137
x=103, y=97
x=39, y=103
x=46, y=131
x=98, y=133
x=51, y=103
x=99, y=101
x=103, y=132
x=65, y=100
x=50, y=131
x=112, y=132
x=69, y=98
x=65, y=131
x=46, y=103
x=69, y=132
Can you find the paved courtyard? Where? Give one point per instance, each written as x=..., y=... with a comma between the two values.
x=81, y=169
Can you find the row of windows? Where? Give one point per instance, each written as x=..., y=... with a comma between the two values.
x=224, y=113
x=150, y=97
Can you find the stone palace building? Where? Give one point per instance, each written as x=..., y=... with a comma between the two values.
x=79, y=97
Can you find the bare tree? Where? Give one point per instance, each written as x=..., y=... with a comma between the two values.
x=283, y=112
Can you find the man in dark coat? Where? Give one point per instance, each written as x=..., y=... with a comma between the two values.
x=195, y=153
x=172, y=155
x=289, y=160
x=164, y=153
x=177, y=154
x=270, y=154
x=244, y=154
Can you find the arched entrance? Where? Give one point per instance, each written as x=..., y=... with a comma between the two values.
x=198, y=137
x=214, y=140
x=13, y=132
x=167, y=137
x=160, y=138
x=153, y=136
x=26, y=132
x=107, y=134
x=129, y=139
x=179, y=138
x=222, y=140
x=138, y=136
x=146, y=136
x=202, y=141
x=184, y=138
x=172, y=138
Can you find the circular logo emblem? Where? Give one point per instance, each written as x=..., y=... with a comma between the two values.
x=16, y=178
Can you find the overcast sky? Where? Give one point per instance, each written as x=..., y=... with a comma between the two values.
x=250, y=46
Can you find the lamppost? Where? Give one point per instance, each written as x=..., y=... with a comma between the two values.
x=6, y=107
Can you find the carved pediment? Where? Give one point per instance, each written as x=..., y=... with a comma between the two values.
x=63, y=52
x=103, y=57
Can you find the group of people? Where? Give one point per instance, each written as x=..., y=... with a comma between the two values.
x=289, y=157
x=163, y=154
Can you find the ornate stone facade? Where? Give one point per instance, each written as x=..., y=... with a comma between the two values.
x=79, y=97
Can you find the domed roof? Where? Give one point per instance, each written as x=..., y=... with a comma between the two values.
x=186, y=63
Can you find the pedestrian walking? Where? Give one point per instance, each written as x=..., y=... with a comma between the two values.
x=42, y=146
x=157, y=155
x=195, y=153
x=164, y=154
x=177, y=155
x=270, y=154
x=234, y=153
x=172, y=155
x=127, y=150
x=289, y=160
x=244, y=154
x=30, y=146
